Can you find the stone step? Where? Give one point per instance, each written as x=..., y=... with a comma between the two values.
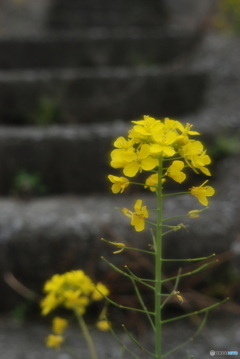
x=100, y=94
x=220, y=55
x=167, y=14
x=97, y=46
x=51, y=235
x=69, y=159
x=75, y=14
x=62, y=159
x=35, y=17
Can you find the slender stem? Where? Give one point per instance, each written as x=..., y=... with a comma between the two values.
x=189, y=259
x=174, y=288
x=122, y=345
x=143, y=304
x=127, y=275
x=87, y=336
x=191, y=338
x=190, y=273
x=174, y=194
x=158, y=267
x=196, y=312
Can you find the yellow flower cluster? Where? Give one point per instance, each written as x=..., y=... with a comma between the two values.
x=149, y=142
x=58, y=326
x=72, y=290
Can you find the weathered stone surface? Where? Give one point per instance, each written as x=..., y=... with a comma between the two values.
x=220, y=110
x=69, y=159
x=101, y=94
x=96, y=47
x=74, y=14
x=187, y=14
x=26, y=340
x=19, y=18
x=44, y=236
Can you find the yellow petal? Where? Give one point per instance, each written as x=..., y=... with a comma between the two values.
x=131, y=169
x=210, y=191
x=149, y=163
x=138, y=223
x=138, y=205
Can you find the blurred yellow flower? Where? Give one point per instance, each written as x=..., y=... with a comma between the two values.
x=98, y=291
x=72, y=290
x=59, y=325
x=103, y=325
x=54, y=341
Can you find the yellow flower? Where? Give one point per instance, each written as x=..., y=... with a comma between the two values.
x=147, y=126
x=59, y=325
x=202, y=193
x=152, y=182
x=187, y=129
x=103, y=325
x=193, y=151
x=122, y=145
x=54, y=283
x=138, y=161
x=49, y=303
x=72, y=290
x=100, y=288
x=119, y=183
x=54, y=341
x=137, y=217
x=74, y=299
x=164, y=141
x=174, y=171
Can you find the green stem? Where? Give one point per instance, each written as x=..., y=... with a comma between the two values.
x=174, y=194
x=196, y=312
x=158, y=267
x=86, y=335
x=200, y=328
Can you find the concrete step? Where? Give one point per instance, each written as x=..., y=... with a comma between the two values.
x=69, y=159
x=75, y=14
x=99, y=46
x=57, y=234
x=181, y=14
x=35, y=17
x=220, y=55
x=100, y=94
x=63, y=159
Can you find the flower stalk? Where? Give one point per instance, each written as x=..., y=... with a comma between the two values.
x=165, y=150
x=158, y=266
x=86, y=335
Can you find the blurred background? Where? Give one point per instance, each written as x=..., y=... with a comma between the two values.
x=72, y=75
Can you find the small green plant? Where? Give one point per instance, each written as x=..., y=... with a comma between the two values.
x=225, y=146
x=227, y=17
x=47, y=113
x=26, y=184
